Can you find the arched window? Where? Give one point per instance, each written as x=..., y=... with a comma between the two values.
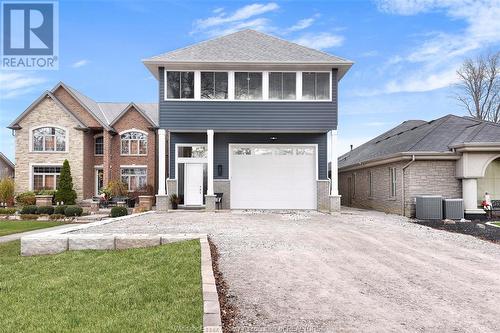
x=134, y=143
x=49, y=139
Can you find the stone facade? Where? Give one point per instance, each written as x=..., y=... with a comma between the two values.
x=223, y=186
x=420, y=178
x=323, y=189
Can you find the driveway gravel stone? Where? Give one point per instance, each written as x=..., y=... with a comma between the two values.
x=358, y=271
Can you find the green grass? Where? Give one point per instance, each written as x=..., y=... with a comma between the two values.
x=13, y=227
x=496, y=223
x=156, y=289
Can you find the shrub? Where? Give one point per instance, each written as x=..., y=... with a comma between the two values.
x=47, y=210
x=65, y=192
x=73, y=210
x=7, y=191
x=60, y=209
x=26, y=217
x=57, y=216
x=26, y=199
x=119, y=211
x=7, y=211
x=46, y=192
x=30, y=209
x=116, y=188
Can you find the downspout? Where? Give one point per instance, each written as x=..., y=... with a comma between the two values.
x=403, y=206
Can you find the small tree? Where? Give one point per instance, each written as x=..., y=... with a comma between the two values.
x=7, y=191
x=65, y=192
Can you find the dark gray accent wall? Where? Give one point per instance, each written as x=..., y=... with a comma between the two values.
x=222, y=141
x=242, y=115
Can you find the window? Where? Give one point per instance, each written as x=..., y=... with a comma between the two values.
x=282, y=85
x=353, y=185
x=284, y=151
x=49, y=139
x=46, y=177
x=370, y=183
x=315, y=86
x=134, y=143
x=135, y=178
x=305, y=151
x=180, y=85
x=214, y=85
x=248, y=85
x=99, y=145
x=242, y=151
x=392, y=175
x=192, y=152
x=263, y=151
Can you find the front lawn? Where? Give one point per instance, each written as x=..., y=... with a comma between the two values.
x=156, y=289
x=496, y=223
x=13, y=227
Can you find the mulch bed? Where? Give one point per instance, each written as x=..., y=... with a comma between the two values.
x=227, y=307
x=473, y=228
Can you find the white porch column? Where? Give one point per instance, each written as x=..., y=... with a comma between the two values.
x=162, y=134
x=334, y=190
x=469, y=193
x=210, y=162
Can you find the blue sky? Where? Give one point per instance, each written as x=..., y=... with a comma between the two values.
x=406, y=52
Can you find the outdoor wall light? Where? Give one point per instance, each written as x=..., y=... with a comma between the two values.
x=273, y=138
x=219, y=170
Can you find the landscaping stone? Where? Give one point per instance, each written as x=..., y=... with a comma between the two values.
x=146, y=202
x=51, y=244
x=211, y=307
x=43, y=200
x=136, y=241
x=211, y=319
x=91, y=242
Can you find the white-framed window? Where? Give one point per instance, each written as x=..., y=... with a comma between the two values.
x=134, y=143
x=45, y=177
x=392, y=177
x=135, y=178
x=193, y=151
x=180, y=85
x=315, y=85
x=370, y=183
x=214, y=85
x=282, y=85
x=248, y=85
x=49, y=139
x=99, y=145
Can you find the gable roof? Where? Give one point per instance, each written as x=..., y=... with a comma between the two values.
x=6, y=159
x=248, y=46
x=413, y=136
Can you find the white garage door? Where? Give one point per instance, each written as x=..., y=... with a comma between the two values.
x=273, y=176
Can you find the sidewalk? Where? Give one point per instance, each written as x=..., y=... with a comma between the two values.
x=13, y=237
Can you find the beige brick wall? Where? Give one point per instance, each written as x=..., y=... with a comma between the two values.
x=421, y=177
x=47, y=112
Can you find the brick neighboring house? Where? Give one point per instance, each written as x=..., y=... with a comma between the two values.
x=6, y=167
x=102, y=142
x=456, y=157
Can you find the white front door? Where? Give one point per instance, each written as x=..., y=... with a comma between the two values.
x=193, y=184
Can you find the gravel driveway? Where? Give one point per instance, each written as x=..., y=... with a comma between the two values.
x=360, y=271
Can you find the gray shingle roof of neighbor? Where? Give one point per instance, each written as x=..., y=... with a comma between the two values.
x=6, y=159
x=249, y=46
x=437, y=136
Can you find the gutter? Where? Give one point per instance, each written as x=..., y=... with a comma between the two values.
x=403, y=206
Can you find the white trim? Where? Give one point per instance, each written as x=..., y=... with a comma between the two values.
x=32, y=165
x=129, y=145
x=96, y=172
x=180, y=85
x=329, y=88
x=185, y=160
x=133, y=130
x=162, y=143
x=265, y=86
x=210, y=162
x=66, y=143
x=197, y=85
x=298, y=86
x=230, y=86
x=132, y=166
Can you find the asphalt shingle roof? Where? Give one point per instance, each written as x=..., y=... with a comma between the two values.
x=422, y=136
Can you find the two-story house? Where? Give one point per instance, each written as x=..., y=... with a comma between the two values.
x=247, y=115
x=102, y=142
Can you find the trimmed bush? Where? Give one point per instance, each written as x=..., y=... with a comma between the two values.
x=57, y=216
x=26, y=217
x=7, y=211
x=7, y=191
x=47, y=210
x=73, y=210
x=65, y=192
x=119, y=211
x=31, y=209
x=60, y=209
x=26, y=199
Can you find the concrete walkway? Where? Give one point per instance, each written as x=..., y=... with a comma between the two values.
x=362, y=271
x=13, y=237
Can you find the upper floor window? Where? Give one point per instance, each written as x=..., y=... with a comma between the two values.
x=180, y=85
x=49, y=139
x=134, y=143
x=315, y=86
x=282, y=85
x=99, y=145
x=248, y=85
x=214, y=85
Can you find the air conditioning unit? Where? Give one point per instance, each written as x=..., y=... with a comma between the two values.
x=429, y=207
x=453, y=209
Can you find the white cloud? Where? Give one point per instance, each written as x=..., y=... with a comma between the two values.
x=371, y=53
x=13, y=84
x=432, y=64
x=321, y=41
x=80, y=63
x=303, y=24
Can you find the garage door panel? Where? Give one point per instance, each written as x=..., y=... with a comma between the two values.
x=264, y=178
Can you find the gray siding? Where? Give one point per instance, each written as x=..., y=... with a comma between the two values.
x=293, y=116
x=222, y=141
